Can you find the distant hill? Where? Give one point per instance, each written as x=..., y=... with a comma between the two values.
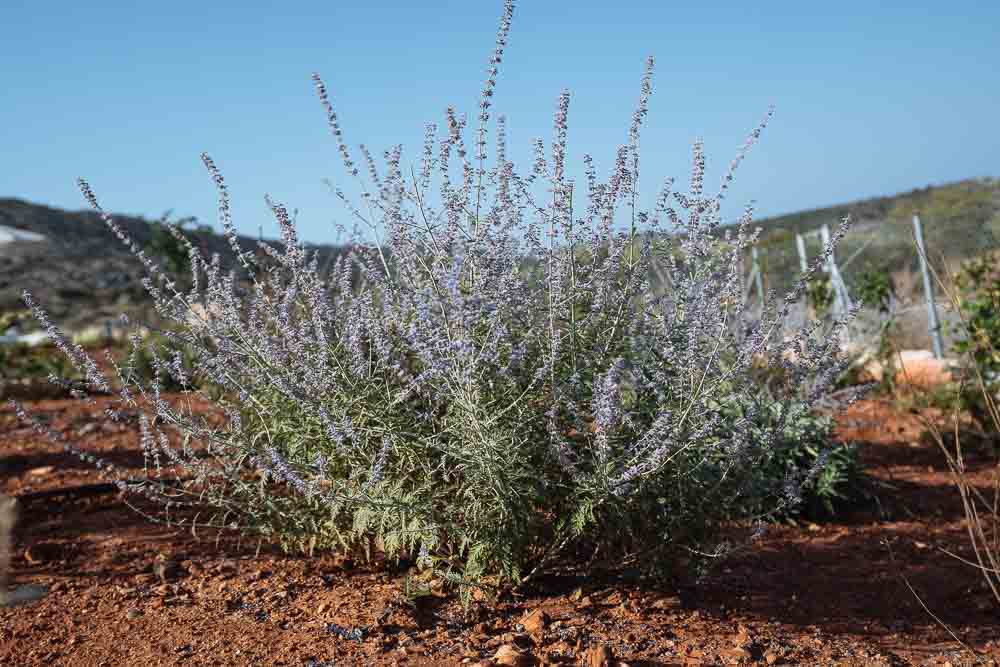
x=960, y=220
x=978, y=198
x=81, y=272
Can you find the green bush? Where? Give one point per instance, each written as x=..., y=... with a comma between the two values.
x=875, y=288
x=169, y=242
x=833, y=480
x=152, y=360
x=22, y=362
x=978, y=335
x=820, y=296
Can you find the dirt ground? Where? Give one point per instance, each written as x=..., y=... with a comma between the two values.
x=126, y=591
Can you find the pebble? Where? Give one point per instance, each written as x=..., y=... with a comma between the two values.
x=511, y=656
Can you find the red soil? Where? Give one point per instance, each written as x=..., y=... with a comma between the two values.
x=813, y=594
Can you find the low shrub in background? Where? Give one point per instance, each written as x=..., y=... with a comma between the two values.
x=168, y=361
x=169, y=240
x=36, y=372
x=820, y=296
x=491, y=382
x=978, y=299
x=832, y=479
x=876, y=289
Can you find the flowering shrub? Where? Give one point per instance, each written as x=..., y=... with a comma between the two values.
x=492, y=381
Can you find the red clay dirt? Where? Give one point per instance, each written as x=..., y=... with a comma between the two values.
x=127, y=591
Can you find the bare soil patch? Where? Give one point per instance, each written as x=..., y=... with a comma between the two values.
x=125, y=591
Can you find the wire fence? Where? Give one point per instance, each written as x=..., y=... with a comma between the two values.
x=908, y=258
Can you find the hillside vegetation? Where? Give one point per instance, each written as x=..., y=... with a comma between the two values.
x=961, y=220
x=84, y=275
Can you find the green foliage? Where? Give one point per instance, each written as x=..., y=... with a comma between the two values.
x=979, y=333
x=979, y=300
x=875, y=288
x=161, y=350
x=171, y=250
x=21, y=362
x=805, y=449
x=831, y=470
x=820, y=296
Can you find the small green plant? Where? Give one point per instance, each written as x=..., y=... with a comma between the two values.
x=21, y=362
x=978, y=285
x=829, y=471
x=819, y=295
x=876, y=290
x=166, y=242
x=979, y=293
x=173, y=364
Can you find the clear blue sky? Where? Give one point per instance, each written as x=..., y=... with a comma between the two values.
x=871, y=98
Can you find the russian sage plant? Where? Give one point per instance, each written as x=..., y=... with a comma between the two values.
x=504, y=368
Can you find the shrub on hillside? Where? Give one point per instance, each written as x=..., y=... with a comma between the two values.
x=492, y=382
x=169, y=242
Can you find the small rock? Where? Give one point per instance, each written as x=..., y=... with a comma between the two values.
x=510, y=655
x=736, y=654
x=599, y=656
x=87, y=428
x=535, y=622
x=771, y=657
x=133, y=614
x=664, y=603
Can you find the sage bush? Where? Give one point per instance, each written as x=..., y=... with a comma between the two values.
x=505, y=369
